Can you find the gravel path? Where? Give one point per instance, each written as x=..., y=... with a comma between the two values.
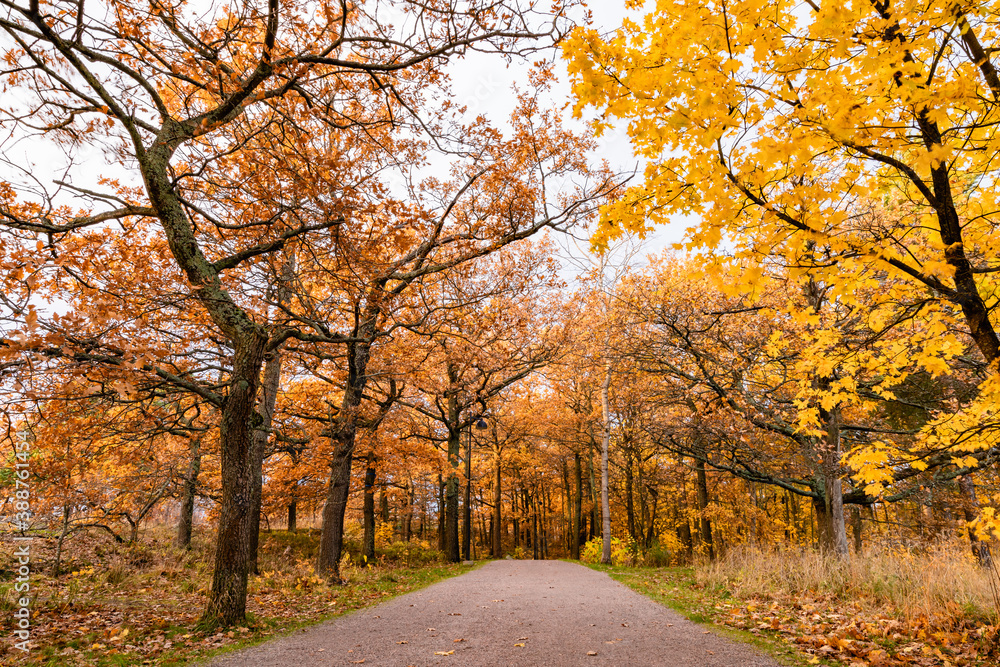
x=508, y=613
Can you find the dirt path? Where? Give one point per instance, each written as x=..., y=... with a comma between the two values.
x=508, y=613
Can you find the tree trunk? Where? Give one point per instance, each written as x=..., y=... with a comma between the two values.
x=833, y=488
x=629, y=501
x=185, y=523
x=408, y=513
x=970, y=509
x=268, y=399
x=451, y=499
x=368, y=541
x=857, y=529
x=292, y=512
x=343, y=436
x=654, y=497
x=595, y=506
x=497, y=510
x=704, y=523
x=442, y=541
x=578, y=534
x=228, y=596
x=63, y=532
x=605, y=443
x=467, y=508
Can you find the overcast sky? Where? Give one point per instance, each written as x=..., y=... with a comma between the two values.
x=484, y=82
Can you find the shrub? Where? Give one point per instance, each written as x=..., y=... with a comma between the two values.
x=623, y=552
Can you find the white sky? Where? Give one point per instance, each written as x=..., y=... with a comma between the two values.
x=484, y=84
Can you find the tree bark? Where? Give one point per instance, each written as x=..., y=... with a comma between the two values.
x=629, y=501
x=442, y=540
x=497, y=509
x=704, y=523
x=970, y=508
x=239, y=419
x=833, y=493
x=467, y=506
x=605, y=442
x=368, y=541
x=185, y=523
x=343, y=436
x=578, y=536
x=269, y=397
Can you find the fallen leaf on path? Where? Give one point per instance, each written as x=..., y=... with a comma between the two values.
x=591, y=652
x=443, y=652
x=460, y=639
x=403, y=642
x=518, y=644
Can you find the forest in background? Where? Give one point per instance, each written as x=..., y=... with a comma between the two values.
x=312, y=294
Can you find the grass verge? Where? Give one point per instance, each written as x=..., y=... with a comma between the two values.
x=139, y=604
x=805, y=612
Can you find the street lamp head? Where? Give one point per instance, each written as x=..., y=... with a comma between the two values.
x=481, y=424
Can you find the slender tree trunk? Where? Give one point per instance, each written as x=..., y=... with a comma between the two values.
x=272, y=380
x=408, y=512
x=451, y=500
x=467, y=509
x=703, y=499
x=63, y=532
x=383, y=501
x=605, y=442
x=268, y=399
x=293, y=503
x=970, y=509
x=368, y=539
x=497, y=509
x=629, y=498
x=654, y=497
x=578, y=531
x=185, y=523
x=442, y=540
x=857, y=529
x=239, y=419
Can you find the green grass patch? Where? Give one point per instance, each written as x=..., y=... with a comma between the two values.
x=677, y=588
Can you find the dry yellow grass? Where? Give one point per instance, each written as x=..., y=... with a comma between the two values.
x=936, y=582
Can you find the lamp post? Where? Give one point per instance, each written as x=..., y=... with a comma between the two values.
x=467, y=513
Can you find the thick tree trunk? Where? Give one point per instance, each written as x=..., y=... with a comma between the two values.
x=704, y=523
x=239, y=419
x=185, y=523
x=343, y=437
x=833, y=487
x=970, y=509
x=331, y=543
x=605, y=443
x=293, y=508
